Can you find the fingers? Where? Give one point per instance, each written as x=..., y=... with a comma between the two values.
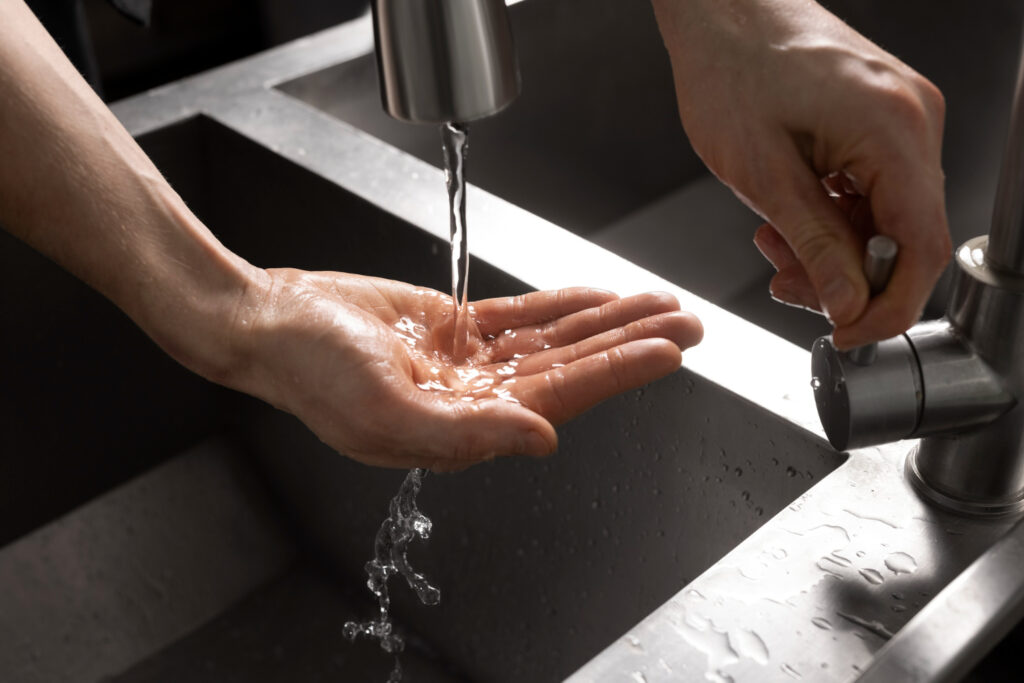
x=820, y=236
x=495, y=315
x=445, y=433
x=583, y=324
x=562, y=393
x=682, y=329
x=792, y=286
x=909, y=206
x=774, y=247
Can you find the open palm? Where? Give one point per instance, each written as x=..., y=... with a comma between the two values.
x=367, y=364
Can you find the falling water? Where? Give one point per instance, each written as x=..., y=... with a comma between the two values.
x=405, y=522
x=455, y=143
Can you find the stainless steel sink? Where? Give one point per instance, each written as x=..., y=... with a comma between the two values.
x=700, y=528
x=646, y=493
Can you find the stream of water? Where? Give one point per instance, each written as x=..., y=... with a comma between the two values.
x=455, y=143
x=405, y=522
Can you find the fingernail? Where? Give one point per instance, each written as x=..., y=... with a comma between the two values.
x=837, y=298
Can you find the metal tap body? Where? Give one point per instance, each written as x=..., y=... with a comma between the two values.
x=444, y=60
x=956, y=383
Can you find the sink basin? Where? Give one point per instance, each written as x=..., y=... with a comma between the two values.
x=646, y=492
x=700, y=527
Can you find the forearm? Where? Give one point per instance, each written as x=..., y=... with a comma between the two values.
x=75, y=186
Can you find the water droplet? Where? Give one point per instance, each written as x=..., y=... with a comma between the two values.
x=871, y=518
x=872, y=576
x=634, y=642
x=901, y=563
x=840, y=559
x=749, y=644
x=702, y=634
x=790, y=671
x=875, y=627
x=791, y=471
x=815, y=383
x=822, y=623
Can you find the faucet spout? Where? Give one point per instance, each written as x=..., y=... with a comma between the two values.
x=444, y=60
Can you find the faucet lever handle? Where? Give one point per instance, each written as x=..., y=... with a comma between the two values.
x=879, y=260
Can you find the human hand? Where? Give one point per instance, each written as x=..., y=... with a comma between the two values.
x=366, y=363
x=777, y=96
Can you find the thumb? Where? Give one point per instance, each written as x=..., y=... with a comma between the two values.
x=822, y=239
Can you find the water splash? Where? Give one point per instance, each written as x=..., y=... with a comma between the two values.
x=404, y=524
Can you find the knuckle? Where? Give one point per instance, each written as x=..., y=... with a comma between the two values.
x=903, y=106
x=519, y=306
x=811, y=246
x=617, y=367
x=558, y=391
x=931, y=97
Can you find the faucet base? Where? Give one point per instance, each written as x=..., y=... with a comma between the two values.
x=951, y=503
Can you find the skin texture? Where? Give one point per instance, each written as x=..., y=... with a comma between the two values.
x=380, y=351
x=778, y=96
x=362, y=361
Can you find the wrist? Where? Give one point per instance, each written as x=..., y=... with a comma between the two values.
x=193, y=296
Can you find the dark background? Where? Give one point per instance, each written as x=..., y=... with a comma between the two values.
x=121, y=57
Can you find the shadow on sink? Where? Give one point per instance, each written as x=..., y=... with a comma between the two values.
x=541, y=563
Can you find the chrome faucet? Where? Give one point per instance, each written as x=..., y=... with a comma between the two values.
x=957, y=383
x=444, y=61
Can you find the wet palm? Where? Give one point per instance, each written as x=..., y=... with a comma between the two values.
x=366, y=363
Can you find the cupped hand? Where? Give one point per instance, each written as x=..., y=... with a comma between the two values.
x=366, y=363
x=777, y=97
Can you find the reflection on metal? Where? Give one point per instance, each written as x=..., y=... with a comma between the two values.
x=450, y=60
x=966, y=372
